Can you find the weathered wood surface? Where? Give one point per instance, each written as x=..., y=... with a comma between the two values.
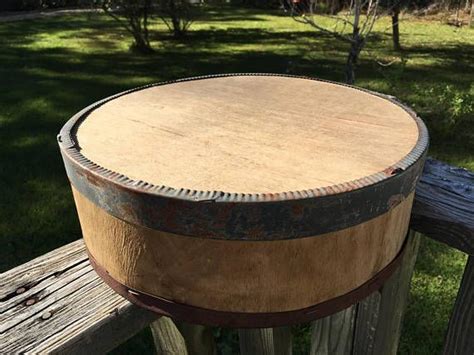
x=56, y=303
x=444, y=205
x=271, y=140
x=373, y=326
x=333, y=335
x=256, y=341
x=366, y=325
x=168, y=339
x=199, y=338
x=460, y=335
x=379, y=317
x=393, y=300
x=282, y=341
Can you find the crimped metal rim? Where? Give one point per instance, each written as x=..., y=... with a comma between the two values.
x=68, y=143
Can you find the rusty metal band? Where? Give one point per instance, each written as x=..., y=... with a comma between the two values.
x=237, y=216
x=197, y=315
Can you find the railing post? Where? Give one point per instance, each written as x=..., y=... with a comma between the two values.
x=256, y=341
x=179, y=338
x=366, y=319
x=333, y=334
x=199, y=338
x=283, y=341
x=168, y=340
x=460, y=336
x=379, y=317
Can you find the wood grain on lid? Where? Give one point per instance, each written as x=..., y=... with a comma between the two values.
x=247, y=134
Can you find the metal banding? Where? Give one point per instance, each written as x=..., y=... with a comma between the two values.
x=192, y=314
x=236, y=216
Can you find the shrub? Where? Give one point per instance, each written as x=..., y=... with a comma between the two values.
x=447, y=109
x=177, y=15
x=133, y=15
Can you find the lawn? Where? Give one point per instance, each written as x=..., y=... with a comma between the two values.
x=51, y=68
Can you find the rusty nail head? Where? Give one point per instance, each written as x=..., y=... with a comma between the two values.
x=30, y=302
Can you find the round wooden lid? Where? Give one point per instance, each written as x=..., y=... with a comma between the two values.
x=248, y=134
x=245, y=156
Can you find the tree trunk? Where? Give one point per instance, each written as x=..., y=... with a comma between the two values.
x=471, y=16
x=351, y=63
x=336, y=6
x=175, y=19
x=177, y=32
x=356, y=44
x=141, y=43
x=395, y=27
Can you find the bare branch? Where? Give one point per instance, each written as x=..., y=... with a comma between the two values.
x=311, y=22
x=116, y=18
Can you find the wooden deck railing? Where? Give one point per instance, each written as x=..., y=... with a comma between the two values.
x=56, y=303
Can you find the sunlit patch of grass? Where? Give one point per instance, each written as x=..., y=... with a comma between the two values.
x=435, y=281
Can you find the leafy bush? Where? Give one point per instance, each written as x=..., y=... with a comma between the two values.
x=447, y=109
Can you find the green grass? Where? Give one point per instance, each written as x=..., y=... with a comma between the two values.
x=51, y=68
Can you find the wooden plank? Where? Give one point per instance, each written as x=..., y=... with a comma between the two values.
x=333, y=335
x=379, y=318
x=199, y=338
x=32, y=272
x=282, y=341
x=394, y=296
x=460, y=336
x=56, y=303
x=168, y=340
x=256, y=341
x=444, y=205
x=365, y=325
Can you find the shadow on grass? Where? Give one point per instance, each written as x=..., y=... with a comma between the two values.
x=230, y=13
